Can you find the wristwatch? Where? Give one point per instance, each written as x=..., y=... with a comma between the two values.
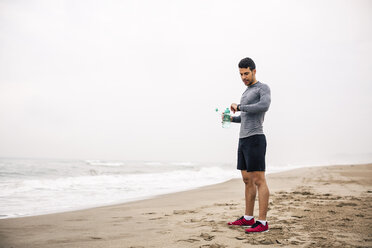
x=238, y=107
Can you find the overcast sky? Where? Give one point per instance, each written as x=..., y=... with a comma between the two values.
x=140, y=79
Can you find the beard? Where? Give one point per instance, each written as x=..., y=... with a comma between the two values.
x=248, y=82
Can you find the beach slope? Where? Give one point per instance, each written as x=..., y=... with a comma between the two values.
x=310, y=207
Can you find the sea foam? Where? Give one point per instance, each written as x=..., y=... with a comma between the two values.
x=85, y=184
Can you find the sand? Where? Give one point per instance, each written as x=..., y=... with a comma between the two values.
x=309, y=207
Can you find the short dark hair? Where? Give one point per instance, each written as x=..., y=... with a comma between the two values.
x=247, y=62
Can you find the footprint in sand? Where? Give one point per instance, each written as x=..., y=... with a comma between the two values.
x=188, y=240
x=261, y=241
x=241, y=237
x=156, y=218
x=342, y=204
x=294, y=242
x=298, y=217
x=184, y=211
x=119, y=218
x=76, y=220
x=225, y=204
x=95, y=237
x=194, y=220
x=213, y=246
x=206, y=236
x=346, y=219
x=272, y=228
x=302, y=193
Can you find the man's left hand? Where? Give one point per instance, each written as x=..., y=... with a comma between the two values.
x=234, y=107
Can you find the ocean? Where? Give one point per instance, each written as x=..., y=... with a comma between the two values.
x=40, y=186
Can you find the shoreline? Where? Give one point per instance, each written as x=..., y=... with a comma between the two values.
x=162, y=194
x=198, y=217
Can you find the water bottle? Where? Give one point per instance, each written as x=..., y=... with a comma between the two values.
x=226, y=118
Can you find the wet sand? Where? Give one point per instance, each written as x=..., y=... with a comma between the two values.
x=309, y=207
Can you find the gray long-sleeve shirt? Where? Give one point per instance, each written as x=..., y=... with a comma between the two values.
x=254, y=103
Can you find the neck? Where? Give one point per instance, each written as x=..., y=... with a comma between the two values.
x=255, y=81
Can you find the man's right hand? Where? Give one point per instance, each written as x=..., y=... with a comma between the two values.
x=231, y=118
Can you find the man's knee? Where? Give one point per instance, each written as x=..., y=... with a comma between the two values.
x=247, y=177
x=258, y=178
x=248, y=180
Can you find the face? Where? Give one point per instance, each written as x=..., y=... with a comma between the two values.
x=248, y=76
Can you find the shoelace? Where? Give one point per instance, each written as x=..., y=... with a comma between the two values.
x=240, y=218
x=256, y=224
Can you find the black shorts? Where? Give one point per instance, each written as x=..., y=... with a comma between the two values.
x=251, y=153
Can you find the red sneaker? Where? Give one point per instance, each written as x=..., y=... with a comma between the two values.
x=258, y=227
x=242, y=222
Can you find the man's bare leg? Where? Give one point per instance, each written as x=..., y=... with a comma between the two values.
x=263, y=193
x=250, y=192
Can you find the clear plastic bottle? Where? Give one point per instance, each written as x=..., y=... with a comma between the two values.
x=226, y=118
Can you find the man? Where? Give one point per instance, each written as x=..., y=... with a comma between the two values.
x=254, y=103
